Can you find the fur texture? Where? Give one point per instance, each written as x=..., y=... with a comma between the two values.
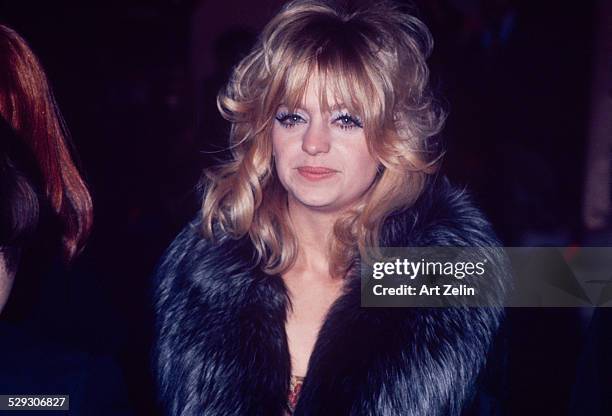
x=221, y=347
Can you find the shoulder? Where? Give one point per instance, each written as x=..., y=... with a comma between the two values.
x=33, y=364
x=443, y=215
x=178, y=255
x=210, y=297
x=193, y=262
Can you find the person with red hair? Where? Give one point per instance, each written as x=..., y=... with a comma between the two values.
x=45, y=214
x=40, y=186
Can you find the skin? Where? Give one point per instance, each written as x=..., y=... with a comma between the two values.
x=6, y=282
x=323, y=162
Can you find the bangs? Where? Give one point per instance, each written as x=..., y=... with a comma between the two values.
x=346, y=74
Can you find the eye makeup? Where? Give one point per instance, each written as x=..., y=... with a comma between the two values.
x=289, y=120
x=342, y=119
x=347, y=121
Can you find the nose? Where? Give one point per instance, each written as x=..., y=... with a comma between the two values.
x=316, y=140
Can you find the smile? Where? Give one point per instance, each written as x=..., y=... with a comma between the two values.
x=316, y=173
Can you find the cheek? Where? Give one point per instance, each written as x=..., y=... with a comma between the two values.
x=275, y=142
x=286, y=144
x=279, y=151
x=367, y=164
x=6, y=282
x=283, y=152
x=361, y=164
x=367, y=172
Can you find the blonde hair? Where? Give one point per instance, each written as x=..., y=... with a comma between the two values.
x=373, y=60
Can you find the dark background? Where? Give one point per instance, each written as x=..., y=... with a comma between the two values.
x=136, y=82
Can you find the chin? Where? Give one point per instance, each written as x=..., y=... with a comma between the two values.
x=321, y=202
x=315, y=203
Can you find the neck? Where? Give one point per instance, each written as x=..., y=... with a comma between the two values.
x=313, y=230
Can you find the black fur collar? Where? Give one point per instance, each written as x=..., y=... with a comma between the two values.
x=221, y=347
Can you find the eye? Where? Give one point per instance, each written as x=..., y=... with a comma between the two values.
x=289, y=120
x=347, y=121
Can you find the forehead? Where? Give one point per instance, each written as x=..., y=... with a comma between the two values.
x=327, y=90
x=317, y=95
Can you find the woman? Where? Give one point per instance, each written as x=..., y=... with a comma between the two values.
x=334, y=150
x=43, y=198
x=45, y=214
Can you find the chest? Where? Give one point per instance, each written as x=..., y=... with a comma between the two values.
x=310, y=304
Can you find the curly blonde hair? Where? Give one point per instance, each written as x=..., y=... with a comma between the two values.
x=373, y=59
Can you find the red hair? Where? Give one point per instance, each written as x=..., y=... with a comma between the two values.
x=27, y=104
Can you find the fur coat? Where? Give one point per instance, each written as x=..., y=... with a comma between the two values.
x=221, y=347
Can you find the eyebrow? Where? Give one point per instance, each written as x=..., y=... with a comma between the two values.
x=301, y=106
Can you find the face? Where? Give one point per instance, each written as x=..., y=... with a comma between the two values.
x=322, y=158
x=6, y=281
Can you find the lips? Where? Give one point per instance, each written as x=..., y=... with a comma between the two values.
x=316, y=173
